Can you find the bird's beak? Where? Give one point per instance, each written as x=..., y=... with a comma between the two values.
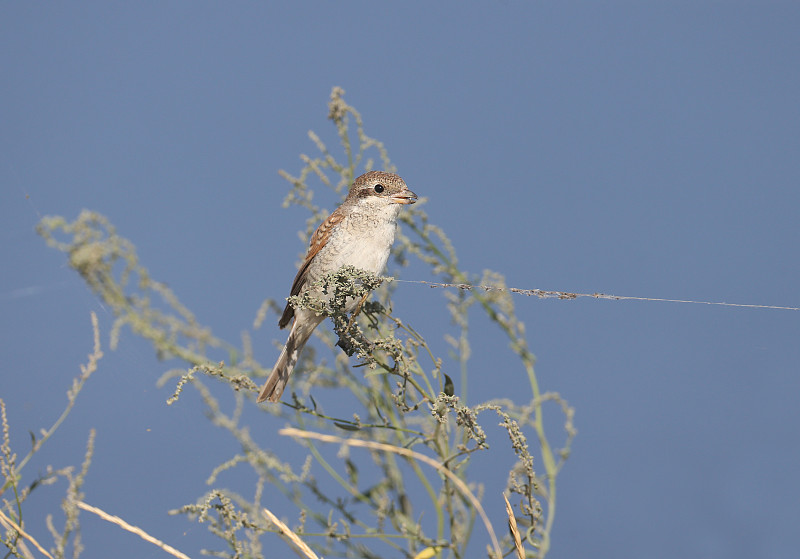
x=404, y=197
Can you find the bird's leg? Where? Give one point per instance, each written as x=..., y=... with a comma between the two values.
x=345, y=337
x=356, y=311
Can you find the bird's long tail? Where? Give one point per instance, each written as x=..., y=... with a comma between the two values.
x=276, y=383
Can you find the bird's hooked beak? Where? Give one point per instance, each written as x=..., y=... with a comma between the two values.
x=404, y=197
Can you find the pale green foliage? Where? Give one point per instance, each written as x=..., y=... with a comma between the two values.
x=15, y=492
x=354, y=504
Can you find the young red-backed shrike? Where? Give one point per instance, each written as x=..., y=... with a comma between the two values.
x=359, y=233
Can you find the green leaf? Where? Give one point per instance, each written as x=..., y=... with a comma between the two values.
x=347, y=426
x=449, y=387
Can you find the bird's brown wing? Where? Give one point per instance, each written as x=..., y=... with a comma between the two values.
x=318, y=240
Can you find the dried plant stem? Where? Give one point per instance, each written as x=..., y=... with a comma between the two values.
x=292, y=432
x=133, y=529
x=512, y=526
x=294, y=538
x=8, y=523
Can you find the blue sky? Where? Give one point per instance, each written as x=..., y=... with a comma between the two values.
x=636, y=149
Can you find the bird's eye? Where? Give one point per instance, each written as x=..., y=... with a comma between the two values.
x=378, y=188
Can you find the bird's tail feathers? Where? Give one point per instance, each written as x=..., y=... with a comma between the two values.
x=276, y=383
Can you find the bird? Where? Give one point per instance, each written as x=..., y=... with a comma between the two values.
x=359, y=233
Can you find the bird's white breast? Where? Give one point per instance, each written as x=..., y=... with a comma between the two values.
x=363, y=239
